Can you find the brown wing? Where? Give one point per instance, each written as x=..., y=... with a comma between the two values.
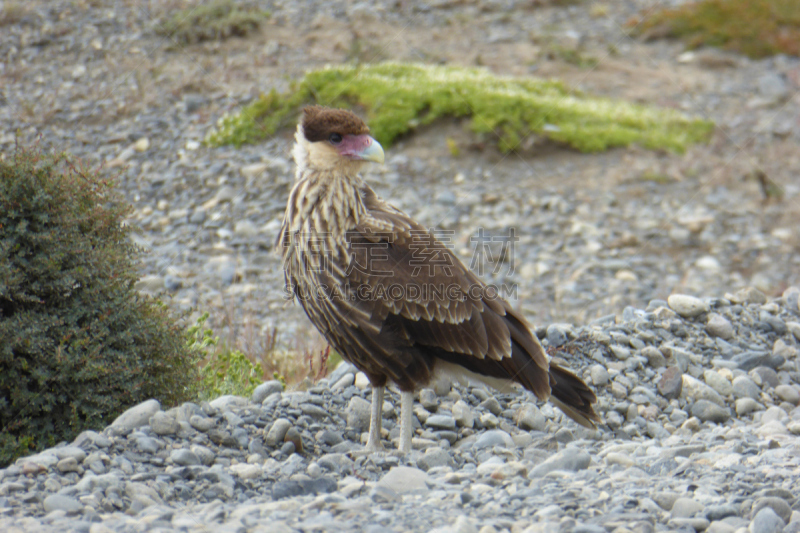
x=412, y=301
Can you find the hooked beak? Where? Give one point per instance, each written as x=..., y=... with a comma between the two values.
x=373, y=152
x=363, y=147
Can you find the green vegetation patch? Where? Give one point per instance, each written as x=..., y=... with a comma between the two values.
x=400, y=97
x=216, y=20
x=756, y=28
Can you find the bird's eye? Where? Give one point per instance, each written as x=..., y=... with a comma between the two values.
x=335, y=138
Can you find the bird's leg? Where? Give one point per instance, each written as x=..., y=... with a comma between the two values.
x=406, y=427
x=374, y=441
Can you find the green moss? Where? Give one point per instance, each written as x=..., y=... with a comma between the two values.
x=399, y=97
x=218, y=20
x=756, y=28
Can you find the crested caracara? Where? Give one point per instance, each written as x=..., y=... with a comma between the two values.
x=358, y=267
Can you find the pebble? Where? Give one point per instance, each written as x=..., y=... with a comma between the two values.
x=529, y=417
x=570, y=460
x=719, y=326
x=706, y=411
x=670, y=386
x=687, y=306
x=403, y=479
x=59, y=502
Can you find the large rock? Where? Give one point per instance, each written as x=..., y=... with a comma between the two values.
x=137, y=416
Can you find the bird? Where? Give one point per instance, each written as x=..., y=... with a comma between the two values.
x=369, y=277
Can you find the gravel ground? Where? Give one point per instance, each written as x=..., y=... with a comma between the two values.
x=600, y=237
x=701, y=399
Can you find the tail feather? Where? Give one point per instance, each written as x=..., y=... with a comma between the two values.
x=570, y=394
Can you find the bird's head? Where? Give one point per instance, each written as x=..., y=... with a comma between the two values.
x=334, y=140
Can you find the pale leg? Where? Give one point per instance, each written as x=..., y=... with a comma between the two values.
x=406, y=427
x=374, y=441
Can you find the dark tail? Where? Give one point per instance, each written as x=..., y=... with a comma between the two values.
x=572, y=396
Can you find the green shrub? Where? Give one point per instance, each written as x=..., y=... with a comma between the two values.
x=78, y=344
x=216, y=20
x=225, y=371
x=756, y=28
x=399, y=97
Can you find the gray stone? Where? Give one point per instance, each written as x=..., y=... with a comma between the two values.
x=749, y=295
x=717, y=381
x=463, y=414
x=685, y=508
x=766, y=521
x=788, y=393
x=163, y=424
x=277, y=432
x=620, y=352
x=137, y=416
x=530, y=418
x=384, y=494
x=743, y=387
x=492, y=438
x=59, y=502
x=556, y=335
x=67, y=464
x=719, y=326
x=205, y=455
x=435, y=457
x=224, y=403
x=665, y=499
x=599, y=375
x=687, y=306
x=202, y=423
x=441, y=421
x=696, y=389
x=266, y=389
x=492, y=405
x=69, y=451
x=358, y=413
x=404, y=479
x=570, y=459
x=745, y=406
x=692, y=524
x=654, y=357
x=184, y=457
x=671, y=383
x=147, y=444
x=774, y=413
x=767, y=376
x=718, y=512
x=707, y=411
x=751, y=359
x=779, y=505
x=429, y=400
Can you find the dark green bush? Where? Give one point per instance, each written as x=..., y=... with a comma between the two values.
x=78, y=344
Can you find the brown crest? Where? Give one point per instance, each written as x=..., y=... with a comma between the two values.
x=320, y=122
